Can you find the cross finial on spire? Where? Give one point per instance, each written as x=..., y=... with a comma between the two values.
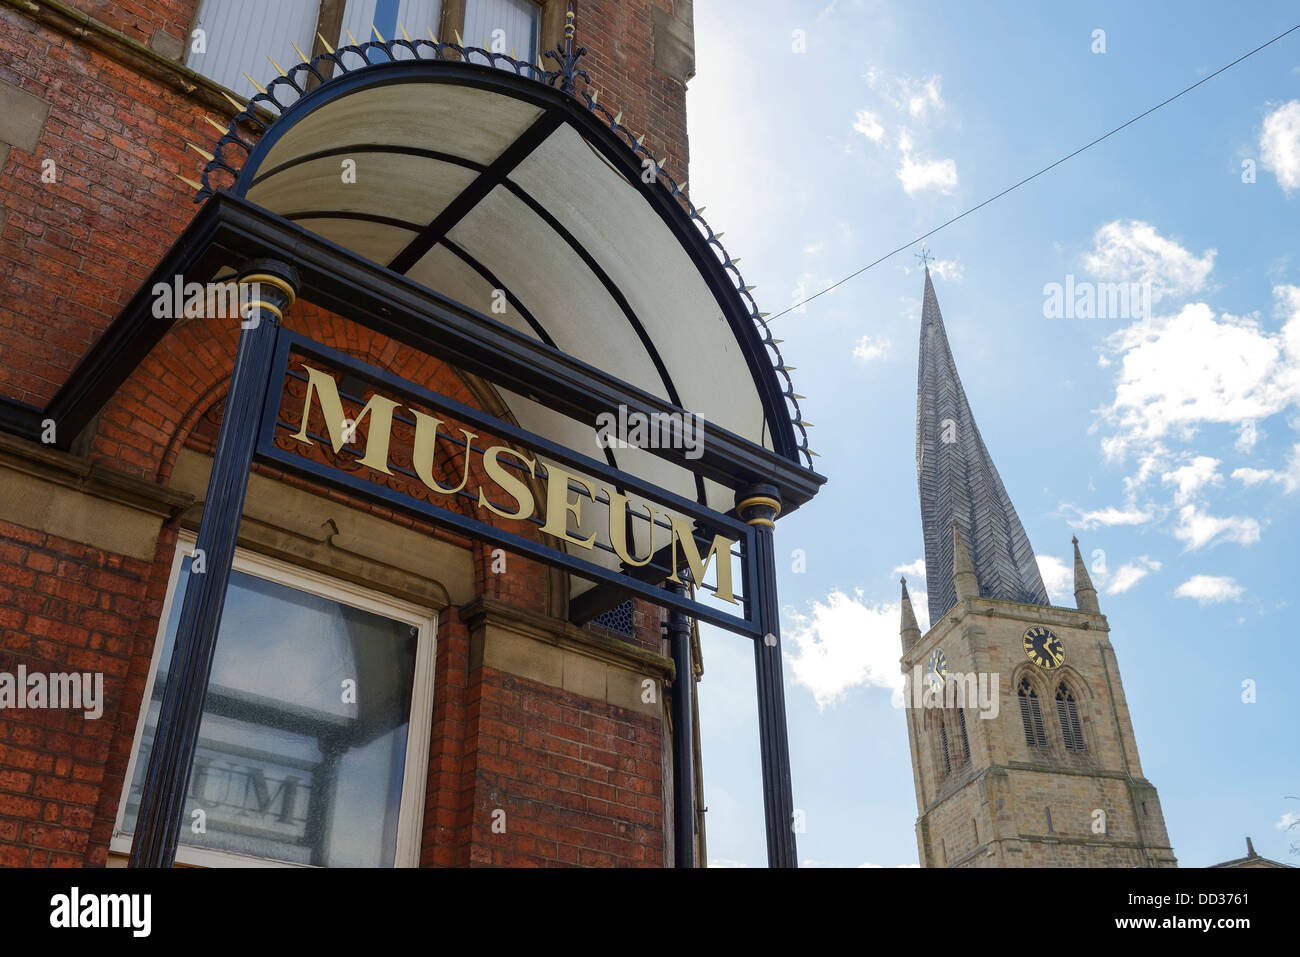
x=924, y=256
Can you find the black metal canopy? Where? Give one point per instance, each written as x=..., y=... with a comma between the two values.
x=471, y=178
x=510, y=225
x=518, y=199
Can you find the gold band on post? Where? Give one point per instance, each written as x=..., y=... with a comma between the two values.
x=275, y=281
x=269, y=307
x=758, y=500
x=761, y=521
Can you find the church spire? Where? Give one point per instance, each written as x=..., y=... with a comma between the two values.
x=958, y=483
x=1085, y=596
x=908, y=629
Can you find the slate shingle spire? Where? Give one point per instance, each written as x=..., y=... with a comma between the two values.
x=958, y=483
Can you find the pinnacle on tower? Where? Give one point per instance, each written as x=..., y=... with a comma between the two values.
x=965, y=584
x=908, y=630
x=1085, y=596
x=958, y=483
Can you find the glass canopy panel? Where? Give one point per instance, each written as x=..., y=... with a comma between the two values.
x=447, y=273
x=646, y=261
x=437, y=117
x=569, y=301
x=364, y=181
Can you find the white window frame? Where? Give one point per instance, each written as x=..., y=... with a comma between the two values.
x=410, y=820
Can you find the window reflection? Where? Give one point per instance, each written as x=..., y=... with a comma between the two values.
x=302, y=746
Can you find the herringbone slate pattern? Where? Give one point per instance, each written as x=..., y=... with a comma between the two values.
x=957, y=480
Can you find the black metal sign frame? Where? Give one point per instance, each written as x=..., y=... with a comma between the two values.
x=288, y=343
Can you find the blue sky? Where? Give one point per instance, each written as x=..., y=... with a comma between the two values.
x=1170, y=443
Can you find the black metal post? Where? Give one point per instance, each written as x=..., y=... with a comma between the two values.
x=158, y=825
x=759, y=506
x=679, y=639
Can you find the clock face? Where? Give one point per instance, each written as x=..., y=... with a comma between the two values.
x=1043, y=648
x=938, y=671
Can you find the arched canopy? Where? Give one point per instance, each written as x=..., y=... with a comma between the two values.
x=523, y=212
x=515, y=199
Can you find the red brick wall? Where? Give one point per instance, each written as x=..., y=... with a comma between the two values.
x=619, y=37
x=138, y=19
x=579, y=780
x=72, y=252
x=66, y=607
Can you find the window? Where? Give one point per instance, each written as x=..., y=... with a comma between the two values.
x=238, y=35
x=313, y=747
x=1068, y=713
x=965, y=741
x=234, y=37
x=504, y=26
x=419, y=18
x=1031, y=714
x=943, y=740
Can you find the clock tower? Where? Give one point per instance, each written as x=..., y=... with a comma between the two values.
x=1023, y=751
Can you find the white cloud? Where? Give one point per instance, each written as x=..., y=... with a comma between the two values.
x=846, y=642
x=1247, y=437
x=915, y=96
x=1190, y=478
x=1279, y=145
x=1287, y=821
x=866, y=350
x=1132, y=251
x=949, y=270
x=916, y=570
x=1208, y=589
x=1198, y=529
x=1181, y=371
x=1058, y=577
x=916, y=175
x=1110, y=515
x=929, y=96
x=1289, y=478
x=724, y=862
x=812, y=249
x=1130, y=573
x=868, y=124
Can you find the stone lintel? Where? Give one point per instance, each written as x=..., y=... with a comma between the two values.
x=67, y=496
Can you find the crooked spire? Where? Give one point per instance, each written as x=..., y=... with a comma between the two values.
x=959, y=484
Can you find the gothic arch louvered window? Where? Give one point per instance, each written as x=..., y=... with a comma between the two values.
x=943, y=744
x=1067, y=710
x=1031, y=714
x=965, y=741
